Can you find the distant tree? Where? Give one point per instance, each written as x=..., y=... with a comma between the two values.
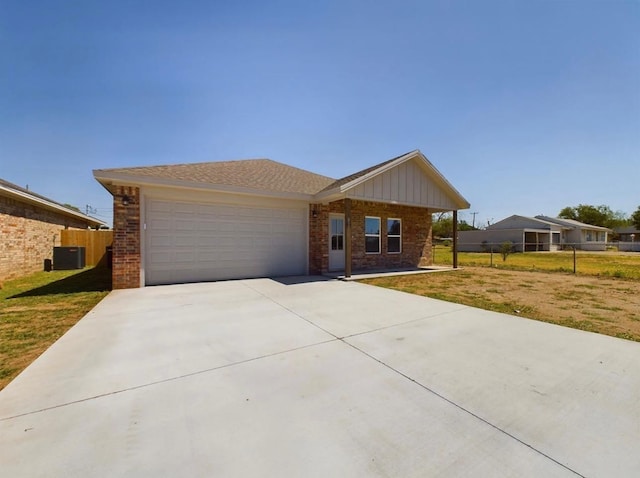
x=443, y=225
x=72, y=207
x=465, y=226
x=595, y=215
x=635, y=218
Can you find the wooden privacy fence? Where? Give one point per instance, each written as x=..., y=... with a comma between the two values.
x=94, y=242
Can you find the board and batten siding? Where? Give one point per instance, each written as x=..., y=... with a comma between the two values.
x=404, y=184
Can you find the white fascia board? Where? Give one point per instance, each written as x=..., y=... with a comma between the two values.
x=138, y=181
x=371, y=174
x=51, y=206
x=340, y=192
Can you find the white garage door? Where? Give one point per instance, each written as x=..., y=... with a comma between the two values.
x=192, y=242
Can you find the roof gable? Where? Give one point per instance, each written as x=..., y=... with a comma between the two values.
x=408, y=179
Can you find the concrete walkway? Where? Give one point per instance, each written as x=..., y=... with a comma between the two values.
x=316, y=377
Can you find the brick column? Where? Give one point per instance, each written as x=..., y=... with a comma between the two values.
x=126, y=238
x=318, y=239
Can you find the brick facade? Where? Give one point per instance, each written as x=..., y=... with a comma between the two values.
x=28, y=235
x=416, y=236
x=126, y=238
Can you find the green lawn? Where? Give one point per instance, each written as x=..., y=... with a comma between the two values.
x=603, y=264
x=38, y=309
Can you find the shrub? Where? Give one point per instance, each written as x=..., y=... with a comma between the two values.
x=506, y=248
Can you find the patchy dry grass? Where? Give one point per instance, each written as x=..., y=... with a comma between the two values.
x=596, y=304
x=37, y=310
x=602, y=264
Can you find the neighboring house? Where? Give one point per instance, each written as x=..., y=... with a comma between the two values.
x=260, y=218
x=30, y=225
x=629, y=239
x=583, y=236
x=525, y=233
x=539, y=233
x=628, y=234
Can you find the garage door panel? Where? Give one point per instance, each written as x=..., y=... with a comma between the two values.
x=187, y=242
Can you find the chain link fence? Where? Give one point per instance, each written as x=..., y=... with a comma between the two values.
x=594, y=259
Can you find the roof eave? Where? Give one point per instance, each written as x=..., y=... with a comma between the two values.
x=112, y=179
x=51, y=206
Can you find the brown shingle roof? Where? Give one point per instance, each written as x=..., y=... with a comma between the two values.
x=258, y=174
x=359, y=174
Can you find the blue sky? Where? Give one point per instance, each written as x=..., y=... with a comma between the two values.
x=525, y=106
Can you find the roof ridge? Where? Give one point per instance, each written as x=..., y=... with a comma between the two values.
x=363, y=172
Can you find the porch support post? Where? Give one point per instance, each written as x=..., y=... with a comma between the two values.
x=347, y=238
x=455, y=239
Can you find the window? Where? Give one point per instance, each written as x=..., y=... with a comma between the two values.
x=337, y=234
x=372, y=235
x=394, y=236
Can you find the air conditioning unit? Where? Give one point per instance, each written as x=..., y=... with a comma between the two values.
x=66, y=258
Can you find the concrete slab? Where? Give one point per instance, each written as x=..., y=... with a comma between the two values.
x=142, y=336
x=349, y=308
x=570, y=394
x=310, y=377
x=321, y=411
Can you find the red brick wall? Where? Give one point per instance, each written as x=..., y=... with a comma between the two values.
x=28, y=235
x=126, y=238
x=416, y=236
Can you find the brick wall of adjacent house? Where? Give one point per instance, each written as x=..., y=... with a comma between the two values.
x=416, y=236
x=126, y=238
x=28, y=234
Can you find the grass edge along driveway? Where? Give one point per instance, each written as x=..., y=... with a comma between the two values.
x=604, y=305
x=36, y=310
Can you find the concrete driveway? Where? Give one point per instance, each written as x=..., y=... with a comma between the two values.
x=319, y=378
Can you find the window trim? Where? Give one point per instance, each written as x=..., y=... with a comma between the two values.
x=399, y=235
x=379, y=235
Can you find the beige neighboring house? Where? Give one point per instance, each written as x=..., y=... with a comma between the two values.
x=260, y=218
x=585, y=237
x=527, y=234
x=30, y=226
x=535, y=234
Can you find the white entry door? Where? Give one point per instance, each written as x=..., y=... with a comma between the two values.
x=336, y=242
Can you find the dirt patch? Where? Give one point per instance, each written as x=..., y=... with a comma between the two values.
x=607, y=306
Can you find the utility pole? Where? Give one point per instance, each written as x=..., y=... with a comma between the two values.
x=473, y=221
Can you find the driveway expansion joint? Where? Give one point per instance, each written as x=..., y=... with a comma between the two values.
x=159, y=382
x=463, y=409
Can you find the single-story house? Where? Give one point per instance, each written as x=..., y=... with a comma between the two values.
x=260, y=218
x=583, y=236
x=31, y=225
x=629, y=239
x=525, y=233
x=530, y=234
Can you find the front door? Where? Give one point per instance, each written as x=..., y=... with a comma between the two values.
x=336, y=242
